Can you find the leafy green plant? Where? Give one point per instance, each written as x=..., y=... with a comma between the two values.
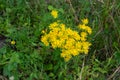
x=24, y=57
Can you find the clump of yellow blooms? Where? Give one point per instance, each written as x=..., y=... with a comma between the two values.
x=84, y=26
x=71, y=42
x=54, y=13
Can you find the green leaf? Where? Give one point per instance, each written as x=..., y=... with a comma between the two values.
x=11, y=30
x=50, y=7
x=15, y=58
x=51, y=74
x=47, y=17
x=49, y=67
x=6, y=70
x=61, y=10
x=3, y=50
x=117, y=56
x=100, y=70
x=33, y=75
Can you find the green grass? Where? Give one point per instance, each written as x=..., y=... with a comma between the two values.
x=23, y=21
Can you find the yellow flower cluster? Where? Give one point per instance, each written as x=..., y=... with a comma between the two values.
x=54, y=13
x=84, y=26
x=70, y=41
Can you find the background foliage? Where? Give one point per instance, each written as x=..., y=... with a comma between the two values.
x=23, y=21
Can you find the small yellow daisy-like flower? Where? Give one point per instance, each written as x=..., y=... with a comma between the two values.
x=54, y=13
x=85, y=21
x=13, y=42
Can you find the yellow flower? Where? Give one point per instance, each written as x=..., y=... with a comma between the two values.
x=78, y=45
x=82, y=26
x=76, y=35
x=66, y=55
x=67, y=58
x=85, y=21
x=86, y=28
x=69, y=43
x=75, y=52
x=89, y=30
x=44, y=39
x=83, y=36
x=54, y=13
x=13, y=42
x=53, y=25
x=56, y=44
x=62, y=27
x=43, y=31
x=85, y=47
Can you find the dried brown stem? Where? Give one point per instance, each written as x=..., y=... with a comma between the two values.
x=73, y=10
x=112, y=75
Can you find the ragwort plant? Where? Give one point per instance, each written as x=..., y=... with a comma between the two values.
x=71, y=42
x=24, y=57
